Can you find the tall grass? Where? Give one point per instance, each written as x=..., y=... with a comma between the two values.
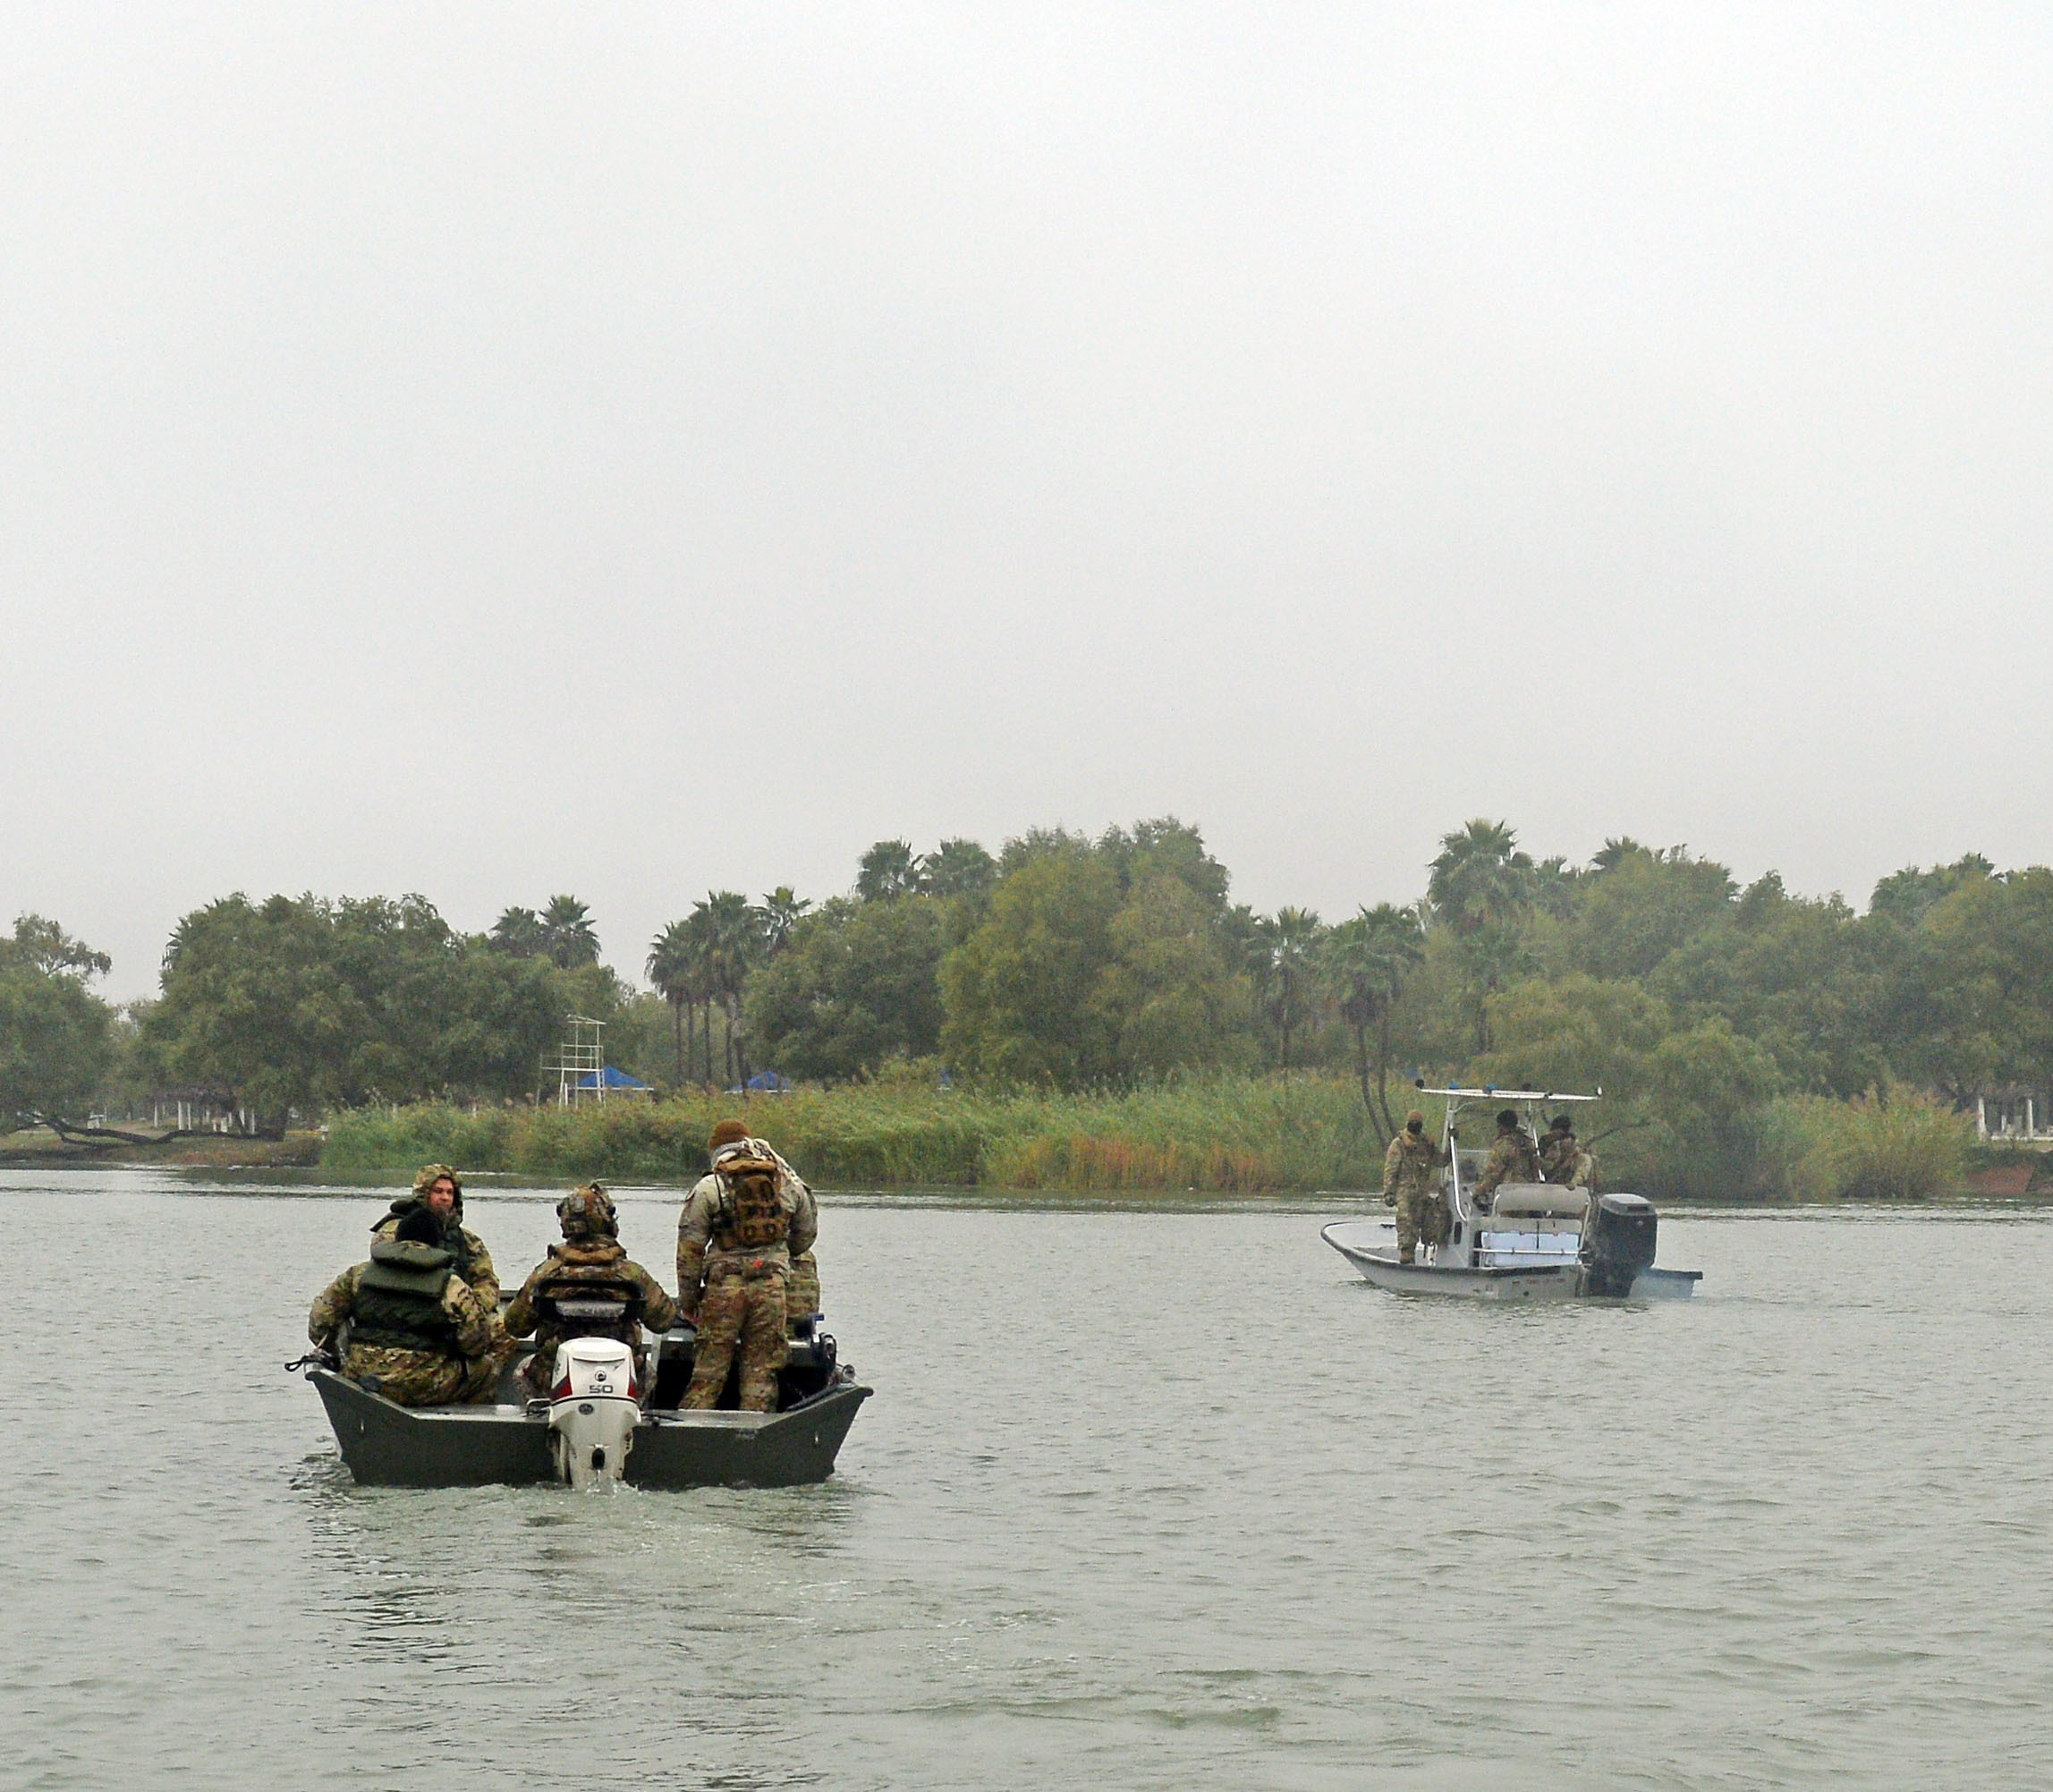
x=1219, y=1135
x=1901, y=1147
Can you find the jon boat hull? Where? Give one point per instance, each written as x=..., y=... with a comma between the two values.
x=1360, y=1242
x=386, y=1445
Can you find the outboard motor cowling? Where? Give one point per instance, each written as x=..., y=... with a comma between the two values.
x=1618, y=1243
x=594, y=1407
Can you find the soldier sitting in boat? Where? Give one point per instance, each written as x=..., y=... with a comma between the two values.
x=1563, y=1157
x=417, y=1332
x=436, y=1188
x=1512, y=1159
x=587, y=1287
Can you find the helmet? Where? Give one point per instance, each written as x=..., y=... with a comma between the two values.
x=587, y=1212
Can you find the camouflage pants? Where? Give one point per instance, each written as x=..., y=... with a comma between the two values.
x=423, y=1378
x=750, y=1312
x=1421, y=1214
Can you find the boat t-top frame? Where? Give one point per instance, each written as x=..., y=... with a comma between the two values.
x=1527, y=1103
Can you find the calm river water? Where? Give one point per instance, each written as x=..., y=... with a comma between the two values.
x=1145, y=1498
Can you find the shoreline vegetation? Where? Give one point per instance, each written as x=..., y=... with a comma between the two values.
x=1223, y=1135
x=1083, y=1014
x=1218, y=1135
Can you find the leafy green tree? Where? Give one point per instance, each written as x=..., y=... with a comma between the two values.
x=1908, y=896
x=1974, y=1003
x=1021, y=992
x=1708, y=1088
x=1172, y=994
x=57, y=1037
x=856, y=987
x=889, y=868
x=1624, y=921
x=307, y=1003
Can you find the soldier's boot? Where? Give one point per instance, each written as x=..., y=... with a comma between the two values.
x=1407, y=1256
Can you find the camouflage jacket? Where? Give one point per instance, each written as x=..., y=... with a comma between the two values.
x=601, y=1262
x=1512, y=1159
x=1410, y=1166
x=1567, y=1161
x=698, y=1250
x=477, y=1325
x=473, y=1260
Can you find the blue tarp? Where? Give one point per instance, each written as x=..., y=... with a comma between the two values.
x=770, y=1083
x=609, y=1078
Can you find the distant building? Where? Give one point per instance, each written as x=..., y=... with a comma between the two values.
x=2015, y=1113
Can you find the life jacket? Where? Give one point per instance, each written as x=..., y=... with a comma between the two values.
x=454, y=1235
x=750, y=1213
x=398, y=1300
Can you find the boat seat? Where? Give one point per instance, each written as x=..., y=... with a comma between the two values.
x=1528, y=1201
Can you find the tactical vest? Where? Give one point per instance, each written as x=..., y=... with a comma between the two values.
x=751, y=1214
x=398, y=1300
x=577, y=1306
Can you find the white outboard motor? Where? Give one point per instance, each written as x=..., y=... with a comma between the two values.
x=594, y=1407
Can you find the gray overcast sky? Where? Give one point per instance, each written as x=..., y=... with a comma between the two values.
x=499, y=450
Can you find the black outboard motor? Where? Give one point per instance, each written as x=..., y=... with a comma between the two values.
x=1618, y=1243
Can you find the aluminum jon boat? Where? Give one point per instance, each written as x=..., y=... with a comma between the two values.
x=1525, y=1241
x=650, y=1443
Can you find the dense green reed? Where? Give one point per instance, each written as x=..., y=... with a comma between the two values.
x=1235, y=1134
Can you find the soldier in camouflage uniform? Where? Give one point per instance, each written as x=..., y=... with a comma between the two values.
x=1563, y=1157
x=741, y=1226
x=1512, y=1159
x=417, y=1332
x=436, y=1188
x=1412, y=1184
x=589, y=1266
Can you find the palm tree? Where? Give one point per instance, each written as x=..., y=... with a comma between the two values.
x=958, y=868
x=567, y=934
x=518, y=934
x=1367, y=960
x=673, y=969
x=783, y=909
x=733, y=942
x=889, y=868
x=1480, y=885
x=1288, y=938
x=1479, y=876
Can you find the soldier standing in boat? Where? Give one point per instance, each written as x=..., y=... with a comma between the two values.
x=588, y=1267
x=740, y=1226
x=1410, y=1183
x=1512, y=1159
x=436, y=1187
x=420, y=1335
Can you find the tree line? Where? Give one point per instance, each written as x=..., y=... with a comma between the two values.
x=1077, y=962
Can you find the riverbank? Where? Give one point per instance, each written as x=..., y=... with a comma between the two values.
x=36, y=1148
